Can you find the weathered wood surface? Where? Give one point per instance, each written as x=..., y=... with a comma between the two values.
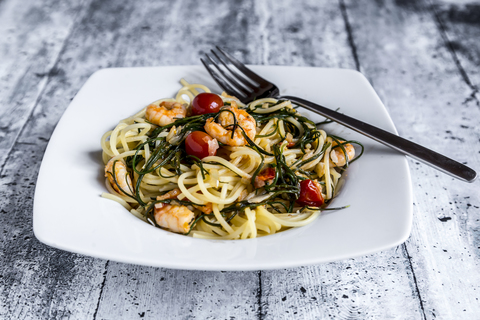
x=421, y=57
x=405, y=56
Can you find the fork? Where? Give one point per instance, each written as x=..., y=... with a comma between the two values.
x=246, y=85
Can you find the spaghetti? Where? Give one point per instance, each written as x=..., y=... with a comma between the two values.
x=221, y=169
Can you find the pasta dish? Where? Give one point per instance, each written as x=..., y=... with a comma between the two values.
x=209, y=166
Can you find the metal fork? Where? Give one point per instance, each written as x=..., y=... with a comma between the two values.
x=246, y=85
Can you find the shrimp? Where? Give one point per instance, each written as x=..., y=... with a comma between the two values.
x=177, y=218
x=165, y=112
x=244, y=120
x=173, y=217
x=207, y=209
x=337, y=155
x=121, y=178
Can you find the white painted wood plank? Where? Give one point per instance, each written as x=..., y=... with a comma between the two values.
x=32, y=35
x=163, y=293
x=377, y=286
x=37, y=282
x=275, y=43
x=403, y=53
x=302, y=33
x=100, y=40
x=133, y=291
x=461, y=24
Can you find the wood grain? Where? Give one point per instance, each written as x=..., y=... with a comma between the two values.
x=418, y=55
x=164, y=293
x=405, y=56
x=281, y=38
x=378, y=286
x=37, y=282
x=460, y=24
x=352, y=289
x=28, y=52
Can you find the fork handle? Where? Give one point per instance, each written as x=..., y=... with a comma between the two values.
x=416, y=151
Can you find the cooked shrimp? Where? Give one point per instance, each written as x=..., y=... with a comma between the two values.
x=121, y=178
x=165, y=112
x=207, y=209
x=173, y=217
x=219, y=131
x=172, y=194
x=337, y=155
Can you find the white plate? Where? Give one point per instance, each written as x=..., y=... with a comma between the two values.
x=69, y=213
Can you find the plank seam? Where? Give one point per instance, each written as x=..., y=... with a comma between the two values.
x=40, y=93
x=348, y=27
x=453, y=53
x=260, y=314
x=101, y=290
x=414, y=280
x=15, y=141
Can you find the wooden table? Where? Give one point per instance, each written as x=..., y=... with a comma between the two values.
x=422, y=57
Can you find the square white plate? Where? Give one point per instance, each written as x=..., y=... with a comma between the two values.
x=69, y=213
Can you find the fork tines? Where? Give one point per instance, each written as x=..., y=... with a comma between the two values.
x=233, y=76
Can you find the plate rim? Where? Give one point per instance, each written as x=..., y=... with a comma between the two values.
x=47, y=239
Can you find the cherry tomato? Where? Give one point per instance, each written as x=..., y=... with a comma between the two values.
x=266, y=175
x=310, y=194
x=206, y=103
x=200, y=145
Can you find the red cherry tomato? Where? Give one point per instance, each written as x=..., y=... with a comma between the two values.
x=310, y=194
x=206, y=103
x=267, y=175
x=200, y=145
